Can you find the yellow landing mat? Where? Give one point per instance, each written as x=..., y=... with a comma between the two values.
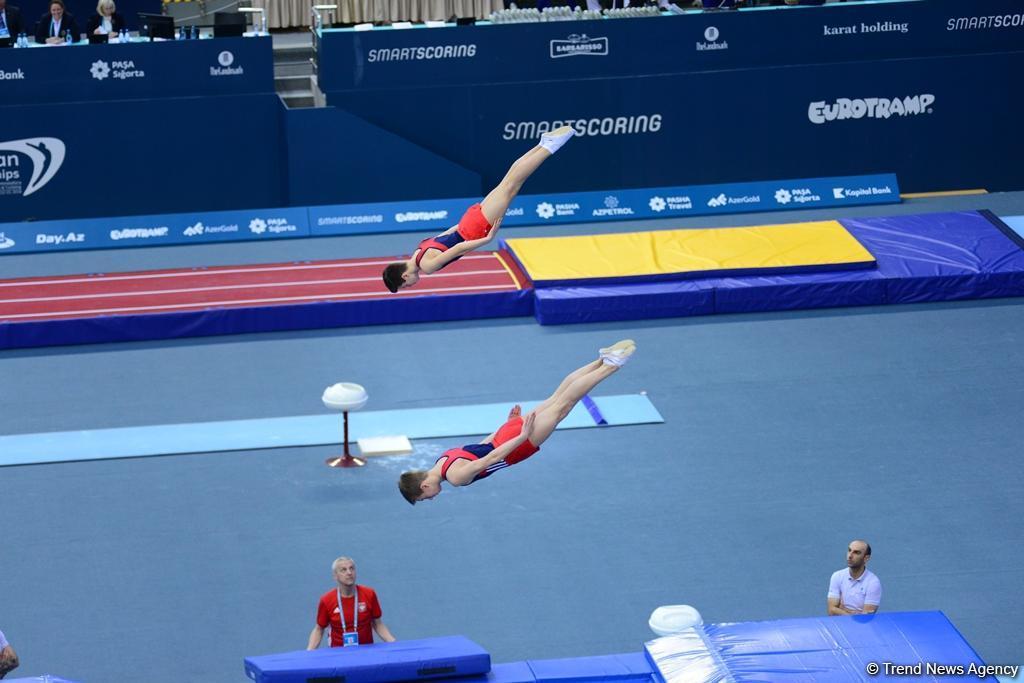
x=702, y=252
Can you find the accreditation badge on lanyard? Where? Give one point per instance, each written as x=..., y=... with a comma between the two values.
x=349, y=638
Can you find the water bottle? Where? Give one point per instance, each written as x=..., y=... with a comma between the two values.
x=181, y=33
x=67, y=38
x=195, y=33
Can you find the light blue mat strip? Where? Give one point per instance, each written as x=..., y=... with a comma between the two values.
x=307, y=430
x=1015, y=222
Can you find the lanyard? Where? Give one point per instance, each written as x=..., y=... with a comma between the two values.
x=355, y=610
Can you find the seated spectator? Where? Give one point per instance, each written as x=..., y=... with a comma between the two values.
x=8, y=659
x=10, y=23
x=54, y=27
x=106, y=20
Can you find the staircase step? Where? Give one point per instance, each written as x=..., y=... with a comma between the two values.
x=299, y=101
x=287, y=69
x=293, y=84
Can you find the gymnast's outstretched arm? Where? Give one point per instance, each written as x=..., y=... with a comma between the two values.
x=436, y=260
x=468, y=471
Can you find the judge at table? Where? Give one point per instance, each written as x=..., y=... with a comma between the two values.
x=10, y=23
x=106, y=20
x=54, y=27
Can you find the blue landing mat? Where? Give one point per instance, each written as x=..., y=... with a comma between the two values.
x=810, y=650
x=815, y=650
x=306, y=430
x=409, y=660
x=630, y=668
x=931, y=257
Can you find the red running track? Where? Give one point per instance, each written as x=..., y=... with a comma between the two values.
x=192, y=289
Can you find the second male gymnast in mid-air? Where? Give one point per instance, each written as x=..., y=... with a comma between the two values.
x=520, y=437
x=479, y=224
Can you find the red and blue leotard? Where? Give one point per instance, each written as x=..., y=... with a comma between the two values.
x=475, y=451
x=441, y=243
x=472, y=226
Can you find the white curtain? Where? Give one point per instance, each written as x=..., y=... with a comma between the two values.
x=291, y=13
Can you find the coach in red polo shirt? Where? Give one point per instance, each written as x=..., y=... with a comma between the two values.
x=358, y=617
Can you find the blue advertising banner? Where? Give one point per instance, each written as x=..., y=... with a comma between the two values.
x=439, y=214
x=136, y=70
x=613, y=205
x=140, y=157
x=153, y=231
x=695, y=42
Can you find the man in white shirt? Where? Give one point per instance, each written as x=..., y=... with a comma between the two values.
x=855, y=590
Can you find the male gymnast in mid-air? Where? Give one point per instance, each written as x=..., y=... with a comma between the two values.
x=479, y=224
x=517, y=439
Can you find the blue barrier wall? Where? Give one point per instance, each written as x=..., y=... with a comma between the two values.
x=704, y=98
x=670, y=44
x=917, y=117
x=139, y=128
x=141, y=157
x=138, y=70
x=657, y=102
x=357, y=161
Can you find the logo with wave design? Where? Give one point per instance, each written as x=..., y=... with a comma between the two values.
x=45, y=154
x=578, y=45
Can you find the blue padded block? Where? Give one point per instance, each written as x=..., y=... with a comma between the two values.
x=797, y=292
x=942, y=256
x=409, y=660
x=812, y=650
x=516, y=672
x=557, y=305
x=624, y=668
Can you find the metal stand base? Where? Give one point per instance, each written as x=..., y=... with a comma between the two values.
x=345, y=460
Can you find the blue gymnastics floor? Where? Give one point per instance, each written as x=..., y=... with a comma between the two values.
x=786, y=435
